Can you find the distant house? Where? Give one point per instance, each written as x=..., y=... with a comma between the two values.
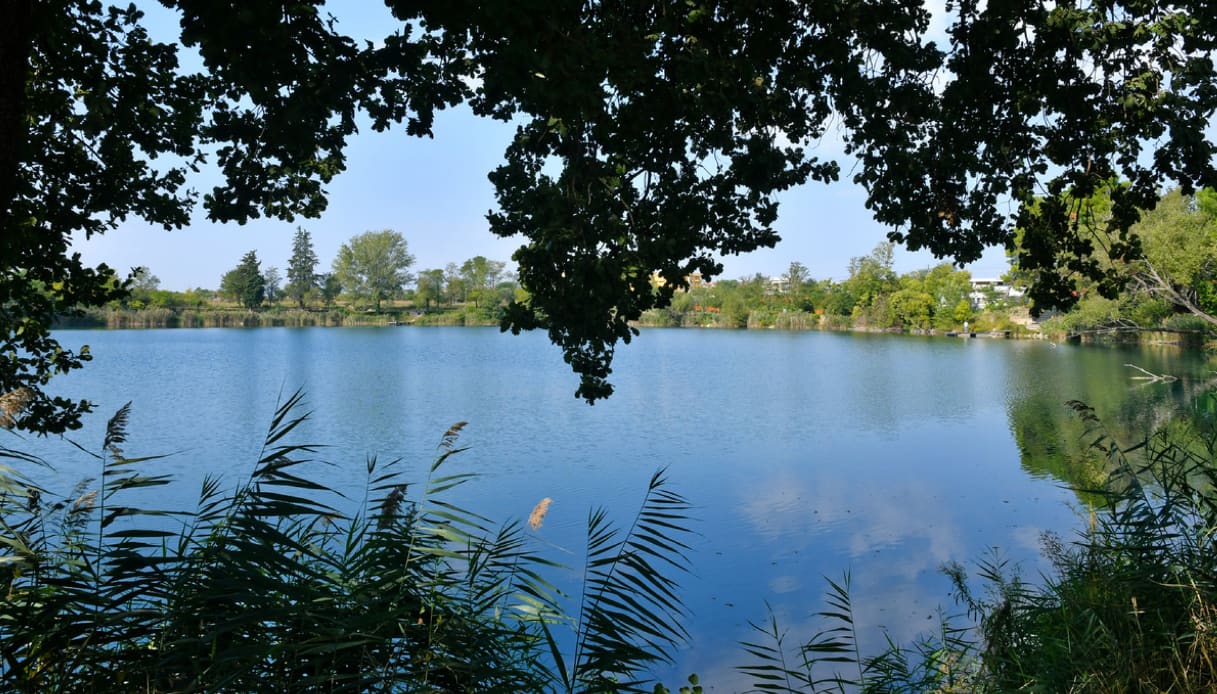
x=779, y=285
x=984, y=288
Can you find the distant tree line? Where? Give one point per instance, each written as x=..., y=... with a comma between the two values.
x=873, y=295
x=369, y=269
x=1170, y=283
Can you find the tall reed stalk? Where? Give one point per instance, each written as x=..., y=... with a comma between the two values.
x=273, y=585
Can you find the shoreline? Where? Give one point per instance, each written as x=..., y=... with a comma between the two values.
x=185, y=319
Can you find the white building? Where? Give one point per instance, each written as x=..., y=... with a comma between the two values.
x=984, y=288
x=779, y=285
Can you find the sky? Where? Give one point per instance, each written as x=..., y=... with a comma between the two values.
x=436, y=194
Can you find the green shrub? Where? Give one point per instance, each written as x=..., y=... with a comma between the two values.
x=660, y=318
x=1149, y=312
x=1092, y=312
x=992, y=320
x=1187, y=322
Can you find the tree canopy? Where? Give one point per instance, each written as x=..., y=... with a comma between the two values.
x=480, y=277
x=245, y=283
x=430, y=287
x=652, y=137
x=374, y=265
x=1177, y=261
x=1180, y=259
x=1041, y=106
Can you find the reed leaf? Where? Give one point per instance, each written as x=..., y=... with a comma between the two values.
x=272, y=585
x=629, y=615
x=770, y=671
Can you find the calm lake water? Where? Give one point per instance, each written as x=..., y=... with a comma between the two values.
x=806, y=454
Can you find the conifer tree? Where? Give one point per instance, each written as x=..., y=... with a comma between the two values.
x=301, y=267
x=245, y=282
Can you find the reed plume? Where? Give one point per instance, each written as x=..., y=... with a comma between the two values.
x=12, y=404
x=449, y=438
x=391, y=507
x=537, y=517
x=85, y=502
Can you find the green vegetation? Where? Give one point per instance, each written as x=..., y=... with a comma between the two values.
x=368, y=286
x=649, y=139
x=1129, y=606
x=872, y=297
x=1168, y=289
x=245, y=284
x=302, y=278
x=480, y=279
x=282, y=585
x=1169, y=285
x=373, y=266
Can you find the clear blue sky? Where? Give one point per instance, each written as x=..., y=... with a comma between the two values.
x=436, y=194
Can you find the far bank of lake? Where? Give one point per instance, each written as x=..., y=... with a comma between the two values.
x=991, y=326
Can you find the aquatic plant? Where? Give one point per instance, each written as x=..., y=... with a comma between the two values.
x=274, y=586
x=281, y=584
x=1129, y=605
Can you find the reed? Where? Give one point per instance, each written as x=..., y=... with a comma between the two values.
x=1130, y=604
x=280, y=584
x=537, y=517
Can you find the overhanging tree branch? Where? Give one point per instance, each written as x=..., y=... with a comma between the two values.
x=1152, y=281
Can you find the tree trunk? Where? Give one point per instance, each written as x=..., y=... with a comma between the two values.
x=1154, y=282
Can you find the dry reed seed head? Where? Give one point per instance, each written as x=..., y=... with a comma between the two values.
x=12, y=404
x=452, y=434
x=391, y=507
x=84, y=503
x=537, y=517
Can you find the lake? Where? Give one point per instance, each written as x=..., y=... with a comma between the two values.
x=806, y=455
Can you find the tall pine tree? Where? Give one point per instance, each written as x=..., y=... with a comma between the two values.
x=302, y=267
